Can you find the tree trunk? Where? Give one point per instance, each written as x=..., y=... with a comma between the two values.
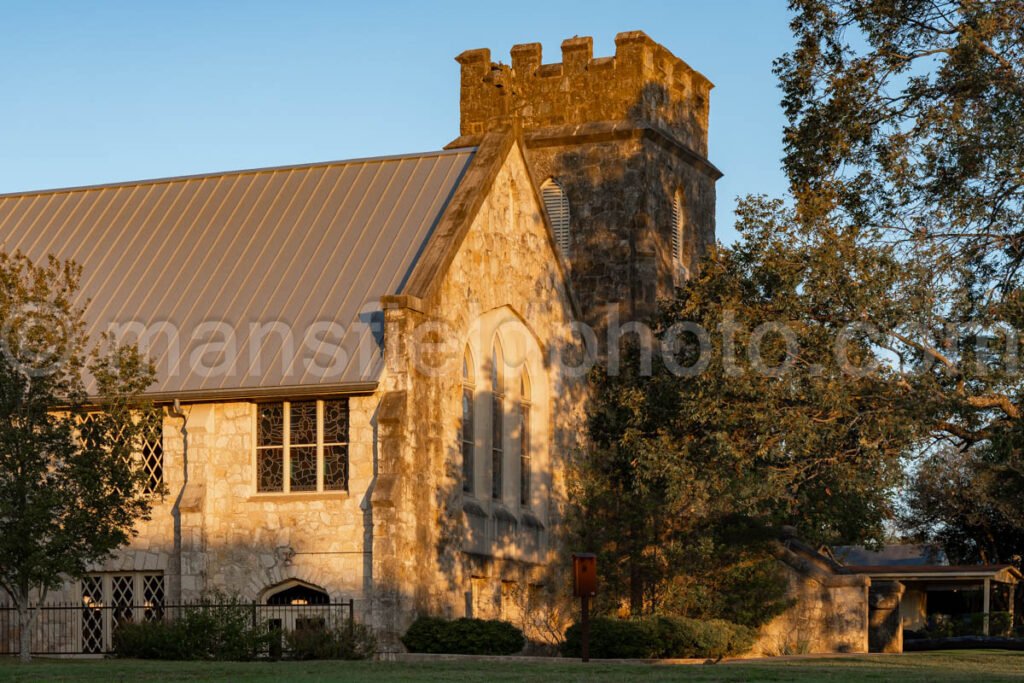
x=26, y=619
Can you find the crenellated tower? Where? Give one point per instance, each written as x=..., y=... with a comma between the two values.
x=623, y=142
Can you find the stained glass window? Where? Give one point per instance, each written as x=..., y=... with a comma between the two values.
x=270, y=447
x=525, y=468
x=468, y=435
x=524, y=455
x=310, y=455
x=467, y=439
x=303, y=423
x=335, y=468
x=335, y=445
x=497, y=421
x=303, y=468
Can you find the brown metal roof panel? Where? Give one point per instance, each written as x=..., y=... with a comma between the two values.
x=293, y=246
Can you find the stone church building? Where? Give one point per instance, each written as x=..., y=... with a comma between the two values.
x=371, y=369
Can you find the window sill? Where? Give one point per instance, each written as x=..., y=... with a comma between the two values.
x=297, y=497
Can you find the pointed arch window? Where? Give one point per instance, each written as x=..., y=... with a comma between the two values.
x=556, y=204
x=525, y=463
x=497, y=420
x=468, y=436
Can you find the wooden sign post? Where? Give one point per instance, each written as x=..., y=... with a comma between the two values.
x=584, y=586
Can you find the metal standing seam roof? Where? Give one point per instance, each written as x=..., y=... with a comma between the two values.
x=941, y=571
x=302, y=250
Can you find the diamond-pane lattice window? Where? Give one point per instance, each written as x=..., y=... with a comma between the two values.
x=150, y=452
x=111, y=600
x=153, y=596
x=122, y=598
x=92, y=615
x=151, y=456
x=302, y=446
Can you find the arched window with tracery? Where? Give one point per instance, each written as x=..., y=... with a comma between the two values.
x=525, y=461
x=556, y=204
x=497, y=420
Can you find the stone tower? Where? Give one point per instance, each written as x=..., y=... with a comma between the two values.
x=626, y=139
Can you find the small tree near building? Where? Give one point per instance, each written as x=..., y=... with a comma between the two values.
x=70, y=490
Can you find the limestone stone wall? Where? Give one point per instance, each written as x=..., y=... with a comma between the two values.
x=213, y=531
x=623, y=136
x=503, y=279
x=643, y=81
x=830, y=614
x=400, y=541
x=620, y=195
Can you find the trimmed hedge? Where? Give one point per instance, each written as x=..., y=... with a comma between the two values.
x=463, y=637
x=660, y=637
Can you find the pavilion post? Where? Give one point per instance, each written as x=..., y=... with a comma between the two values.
x=1013, y=595
x=986, y=606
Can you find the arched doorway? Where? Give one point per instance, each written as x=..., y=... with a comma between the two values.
x=297, y=593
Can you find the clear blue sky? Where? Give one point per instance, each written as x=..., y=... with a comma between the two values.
x=95, y=92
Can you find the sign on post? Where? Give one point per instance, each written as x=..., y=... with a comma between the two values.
x=584, y=586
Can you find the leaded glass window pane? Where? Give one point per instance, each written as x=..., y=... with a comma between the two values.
x=335, y=468
x=524, y=456
x=311, y=455
x=303, y=468
x=303, y=423
x=335, y=421
x=270, y=424
x=497, y=455
x=467, y=440
x=270, y=469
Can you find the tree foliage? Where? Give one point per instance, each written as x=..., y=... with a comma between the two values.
x=905, y=119
x=884, y=301
x=70, y=492
x=764, y=407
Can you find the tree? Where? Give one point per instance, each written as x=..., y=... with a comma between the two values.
x=905, y=119
x=70, y=492
x=970, y=502
x=766, y=407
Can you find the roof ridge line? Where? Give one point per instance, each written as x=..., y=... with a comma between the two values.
x=241, y=171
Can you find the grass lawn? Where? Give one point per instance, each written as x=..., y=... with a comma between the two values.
x=925, y=667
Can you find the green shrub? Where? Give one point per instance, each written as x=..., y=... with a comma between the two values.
x=220, y=628
x=660, y=637
x=463, y=637
x=971, y=624
x=1001, y=624
x=614, y=639
x=331, y=643
x=150, y=640
x=682, y=638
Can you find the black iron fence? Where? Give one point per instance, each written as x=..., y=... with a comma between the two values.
x=89, y=628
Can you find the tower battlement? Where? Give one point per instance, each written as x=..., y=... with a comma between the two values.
x=643, y=83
